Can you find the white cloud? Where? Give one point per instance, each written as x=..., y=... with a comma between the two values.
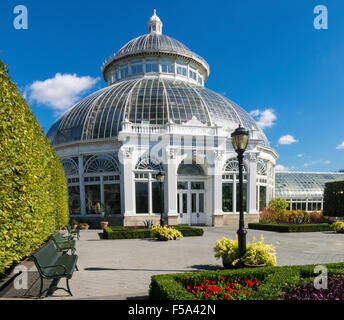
x=287, y=139
x=311, y=163
x=264, y=118
x=300, y=155
x=60, y=92
x=282, y=168
x=340, y=146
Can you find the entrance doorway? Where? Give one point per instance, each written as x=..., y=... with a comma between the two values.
x=190, y=202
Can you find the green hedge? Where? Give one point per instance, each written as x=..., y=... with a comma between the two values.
x=119, y=232
x=189, y=231
x=334, y=199
x=116, y=233
x=290, y=227
x=273, y=280
x=33, y=192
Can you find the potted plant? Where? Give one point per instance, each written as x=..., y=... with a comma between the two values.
x=73, y=223
x=104, y=211
x=257, y=254
x=84, y=225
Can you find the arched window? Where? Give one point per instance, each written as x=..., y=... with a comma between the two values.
x=149, y=163
x=148, y=196
x=101, y=164
x=71, y=170
x=230, y=186
x=262, y=176
x=70, y=167
x=102, y=184
x=190, y=169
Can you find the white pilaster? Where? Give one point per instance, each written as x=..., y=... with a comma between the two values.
x=127, y=181
x=82, y=185
x=252, y=184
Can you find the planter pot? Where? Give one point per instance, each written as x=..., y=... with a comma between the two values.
x=104, y=224
x=74, y=226
x=227, y=264
x=162, y=238
x=255, y=265
x=84, y=227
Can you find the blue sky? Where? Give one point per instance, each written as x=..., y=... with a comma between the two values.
x=265, y=55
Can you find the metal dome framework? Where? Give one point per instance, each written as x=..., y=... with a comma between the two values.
x=150, y=101
x=304, y=190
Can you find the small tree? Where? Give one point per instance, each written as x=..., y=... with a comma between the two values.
x=279, y=205
x=334, y=199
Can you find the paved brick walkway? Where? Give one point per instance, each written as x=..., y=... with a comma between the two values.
x=121, y=269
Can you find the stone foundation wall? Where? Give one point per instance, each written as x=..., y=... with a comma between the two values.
x=130, y=221
x=232, y=220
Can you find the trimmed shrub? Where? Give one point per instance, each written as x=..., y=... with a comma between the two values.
x=338, y=226
x=291, y=227
x=33, y=192
x=273, y=281
x=189, y=231
x=334, y=199
x=120, y=232
x=111, y=233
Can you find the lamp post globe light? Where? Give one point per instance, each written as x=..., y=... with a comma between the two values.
x=161, y=178
x=239, y=142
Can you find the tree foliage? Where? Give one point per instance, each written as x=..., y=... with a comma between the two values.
x=334, y=199
x=33, y=192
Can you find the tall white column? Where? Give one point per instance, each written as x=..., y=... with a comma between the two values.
x=82, y=185
x=171, y=183
x=127, y=181
x=252, y=184
x=217, y=183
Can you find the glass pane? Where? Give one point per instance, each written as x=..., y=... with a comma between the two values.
x=112, y=198
x=185, y=203
x=190, y=170
x=227, y=197
x=197, y=185
x=244, y=197
x=201, y=202
x=182, y=185
x=92, y=194
x=303, y=206
x=178, y=204
x=262, y=197
x=193, y=203
x=157, y=197
x=74, y=200
x=141, y=197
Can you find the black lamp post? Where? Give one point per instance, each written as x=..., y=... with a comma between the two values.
x=239, y=142
x=161, y=177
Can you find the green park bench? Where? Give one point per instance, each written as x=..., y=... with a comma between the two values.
x=54, y=266
x=63, y=245
x=72, y=233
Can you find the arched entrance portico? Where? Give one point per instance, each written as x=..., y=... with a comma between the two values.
x=191, y=194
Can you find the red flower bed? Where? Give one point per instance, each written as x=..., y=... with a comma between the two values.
x=222, y=290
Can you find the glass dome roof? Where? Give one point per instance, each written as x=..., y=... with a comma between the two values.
x=154, y=42
x=149, y=100
x=303, y=185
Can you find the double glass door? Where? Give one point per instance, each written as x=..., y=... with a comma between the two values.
x=190, y=202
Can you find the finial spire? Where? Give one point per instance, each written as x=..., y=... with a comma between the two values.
x=155, y=24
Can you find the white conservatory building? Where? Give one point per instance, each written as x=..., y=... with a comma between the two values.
x=156, y=116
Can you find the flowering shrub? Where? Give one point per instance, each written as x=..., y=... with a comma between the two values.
x=334, y=291
x=222, y=290
x=337, y=226
x=257, y=253
x=270, y=215
x=166, y=233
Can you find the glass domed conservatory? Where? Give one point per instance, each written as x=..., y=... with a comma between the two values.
x=155, y=116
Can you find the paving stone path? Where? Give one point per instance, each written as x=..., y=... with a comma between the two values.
x=121, y=269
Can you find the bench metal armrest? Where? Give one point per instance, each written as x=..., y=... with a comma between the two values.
x=55, y=266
